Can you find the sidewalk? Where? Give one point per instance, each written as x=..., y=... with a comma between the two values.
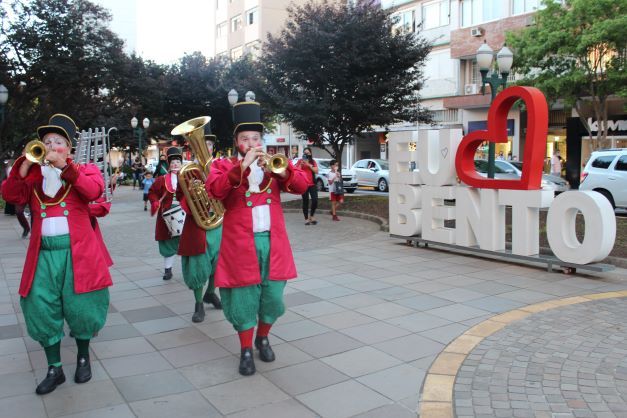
x=366, y=318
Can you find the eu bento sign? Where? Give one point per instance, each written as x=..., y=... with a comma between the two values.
x=477, y=204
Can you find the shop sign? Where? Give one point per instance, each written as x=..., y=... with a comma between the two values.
x=614, y=126
x=422, y=200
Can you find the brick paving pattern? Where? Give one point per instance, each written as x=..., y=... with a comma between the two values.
x=365, y=320
x=566, y=362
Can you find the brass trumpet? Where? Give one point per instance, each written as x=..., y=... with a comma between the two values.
x=35, y=152
x=276, y=163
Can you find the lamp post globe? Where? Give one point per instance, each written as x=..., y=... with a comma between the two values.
x=233, y=97
x=4, y=95
x=250, y=96
x=134, y=122
x=146, y=123
x=485, y=55
x=505, y=59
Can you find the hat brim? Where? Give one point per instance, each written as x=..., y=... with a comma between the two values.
x=210, y=138
x=249, y=126
x=47, y=129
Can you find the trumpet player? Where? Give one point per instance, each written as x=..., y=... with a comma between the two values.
x=255, y=257
x=65, y=276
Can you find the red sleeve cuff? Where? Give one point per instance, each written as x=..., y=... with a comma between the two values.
x=70, y=173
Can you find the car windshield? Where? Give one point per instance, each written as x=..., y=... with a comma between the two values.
x=323, y=163
x=504, y=166
x=482, y=167
x=383, y=164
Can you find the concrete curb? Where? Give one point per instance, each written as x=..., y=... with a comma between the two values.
x=383, y=223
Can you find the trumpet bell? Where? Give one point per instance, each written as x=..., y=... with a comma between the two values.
x=276, y=163
x=35, y=152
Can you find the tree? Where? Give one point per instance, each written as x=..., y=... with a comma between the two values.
x=339, y=69
x=56, y=57
x=576, y=52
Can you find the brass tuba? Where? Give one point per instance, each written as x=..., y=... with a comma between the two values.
x=35, y=152
x=207, y=212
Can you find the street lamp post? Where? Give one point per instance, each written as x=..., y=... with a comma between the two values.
x=140, y=132
x=233, y=96
x=504, y=59
x=4, y=97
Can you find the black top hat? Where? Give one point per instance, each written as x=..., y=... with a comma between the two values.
x=247, y=117
x=62, y=125
x=208, y=134
x=174, y=153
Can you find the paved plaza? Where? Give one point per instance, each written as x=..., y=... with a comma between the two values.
x=374, y=328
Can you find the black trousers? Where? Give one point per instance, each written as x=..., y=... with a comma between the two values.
x=313, y=192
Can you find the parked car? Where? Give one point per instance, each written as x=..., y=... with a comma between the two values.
x=549, y=181
x=322, y=182
x=372, y=172
x=606, y=173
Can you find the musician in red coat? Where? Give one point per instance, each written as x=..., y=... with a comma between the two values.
x=162, y=196
x=65, y=275
x=255, y=257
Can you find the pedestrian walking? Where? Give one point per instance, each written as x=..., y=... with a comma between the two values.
x=65, y=274
x=162, y=196
x=138, y=170
x=556, y=164
x=148, y=182
x=255, y=257
x=309, y=166
x=162, y=167
x=336, y=189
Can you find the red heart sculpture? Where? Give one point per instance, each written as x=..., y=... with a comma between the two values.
x=535, y=143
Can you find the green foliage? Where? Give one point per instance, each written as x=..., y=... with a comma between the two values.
x=337, y=69
x=576, y=52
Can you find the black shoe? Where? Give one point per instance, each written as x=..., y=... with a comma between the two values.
x=145, y=208
x=247, y=362
x=199, y=312
x=212, y=299
x=168, y=274
x=265, y=351
x=83, y=369
x=54, y=378
x=25, y=233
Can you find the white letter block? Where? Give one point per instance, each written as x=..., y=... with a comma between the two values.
x=600, y=227
x=434, y=213
x=526, y=206
x=405, y=212
x=401, y=157
x=436, y=156
x=479, y=218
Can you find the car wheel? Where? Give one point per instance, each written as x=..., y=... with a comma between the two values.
x=320, y=185
x=382, y=186
x=608, y=196
x=350, y=190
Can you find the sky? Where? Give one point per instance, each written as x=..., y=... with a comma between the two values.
x=163, y=30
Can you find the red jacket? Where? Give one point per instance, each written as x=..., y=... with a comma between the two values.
x=237, y=261
x=161, y=188
x=85, y=184
x=99, y=209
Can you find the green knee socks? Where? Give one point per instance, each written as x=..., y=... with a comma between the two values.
x=53, y=354
x=83, y=347
x=198, y=295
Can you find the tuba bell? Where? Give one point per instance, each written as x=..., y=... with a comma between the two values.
x=208, y=213
x=35, y=152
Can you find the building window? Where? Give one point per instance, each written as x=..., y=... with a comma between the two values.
x=220, y=4
x=475, y=12
x=435, y=14
x=527, y=6
x=253, y=48
x=252, y=16
x=404, y=21
x=221, y=30
x=236, y=23
x=236, y=53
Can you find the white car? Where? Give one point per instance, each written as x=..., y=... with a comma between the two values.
x=372, y=172
x=606, y=173
x=322, y=182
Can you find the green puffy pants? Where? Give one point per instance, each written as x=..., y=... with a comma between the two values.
x=198, y=268
x=168, y=247
x=243, y=306
x=52, y=299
